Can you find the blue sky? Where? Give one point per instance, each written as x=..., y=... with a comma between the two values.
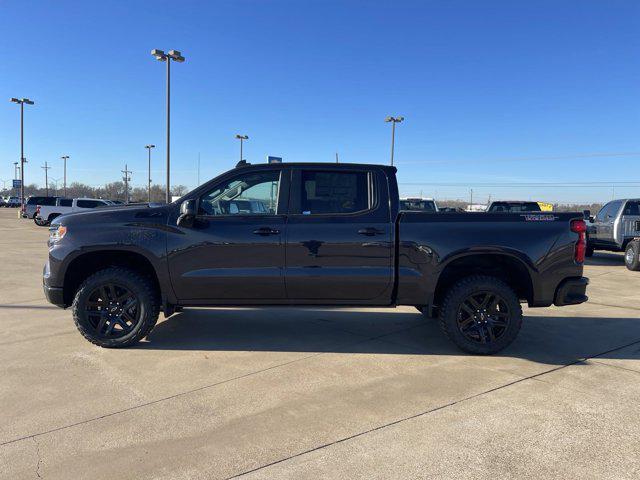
x=492, y=92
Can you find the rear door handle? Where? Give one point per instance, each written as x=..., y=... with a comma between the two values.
x=370, y=231
x=264, y=231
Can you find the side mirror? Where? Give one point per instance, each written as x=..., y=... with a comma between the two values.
x=187, y=213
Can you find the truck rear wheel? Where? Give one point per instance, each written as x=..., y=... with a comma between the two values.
x=41, y=222
x=481, y=314
x=632, y=255
x=116, y=307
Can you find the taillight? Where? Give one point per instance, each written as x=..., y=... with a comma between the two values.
x=38, y=210
x=580, y=227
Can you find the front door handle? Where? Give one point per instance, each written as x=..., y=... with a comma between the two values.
x=370, y=231
x=264, y=231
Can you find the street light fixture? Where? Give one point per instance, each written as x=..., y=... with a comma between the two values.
x=393, y=121
x=241, y=138
x=65, y=158
x=21, y=102
x=149, y=147
x=176, y=56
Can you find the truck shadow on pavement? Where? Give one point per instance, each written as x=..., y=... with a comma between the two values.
x=605, y=259
x=545, y=339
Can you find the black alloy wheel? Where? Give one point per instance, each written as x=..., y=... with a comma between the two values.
x=112, y=310
x=483, y=317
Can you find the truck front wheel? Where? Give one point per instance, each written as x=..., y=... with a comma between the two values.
x=481, y=314
x=116, y=307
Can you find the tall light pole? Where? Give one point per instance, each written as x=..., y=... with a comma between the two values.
x=46, y=177
x=393, y=121
x=65, y=158
x=149, y=147
x=167, y=57
x=21, y=102
x=241, y=138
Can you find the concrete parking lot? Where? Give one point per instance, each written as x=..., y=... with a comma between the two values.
x=315, y=393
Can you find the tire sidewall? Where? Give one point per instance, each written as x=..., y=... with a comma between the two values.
x=635, y=258
x=460, y=292
x=117, y=276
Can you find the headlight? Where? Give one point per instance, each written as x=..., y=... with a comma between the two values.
x=56, y=233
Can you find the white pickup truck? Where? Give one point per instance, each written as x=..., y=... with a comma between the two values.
x=46, y=213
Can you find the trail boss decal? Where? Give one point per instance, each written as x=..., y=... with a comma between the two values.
x=539, y=218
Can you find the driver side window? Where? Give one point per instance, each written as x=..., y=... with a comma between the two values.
x=251, y=193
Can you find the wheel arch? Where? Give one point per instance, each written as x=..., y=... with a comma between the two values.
x=508, y=268
x=86, y=264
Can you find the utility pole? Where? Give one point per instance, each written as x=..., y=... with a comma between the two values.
x=126, y=179
x=65, y=158
x=471, y=198
x=46, y=177
x=337, y=158
x=393, y=121
x=21, y=102
x=149, y=147
x=176, y=56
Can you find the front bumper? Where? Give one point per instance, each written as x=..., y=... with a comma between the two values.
x=571, y=291
x=54, y=295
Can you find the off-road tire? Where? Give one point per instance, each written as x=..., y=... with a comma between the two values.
x=141, y=286
x=632, y=255
x=459, y=292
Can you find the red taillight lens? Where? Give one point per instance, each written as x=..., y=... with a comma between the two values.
x=38, y=209
x=580, y=227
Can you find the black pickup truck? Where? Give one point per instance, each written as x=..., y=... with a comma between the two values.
x=311, y=234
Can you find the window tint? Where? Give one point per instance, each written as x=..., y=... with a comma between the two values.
x=90, y=203
x=35, y=200
x=253, y=193
x=334, y=192
x=632, y=208
x=65, y=202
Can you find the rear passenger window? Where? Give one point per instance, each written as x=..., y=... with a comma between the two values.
x=66, y=202
x=89, y=204
x=335, y=192
x=632, y=208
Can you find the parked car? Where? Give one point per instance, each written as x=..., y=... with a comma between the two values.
x=46, y=213
x=33, y=202
x=616, y=224
x=13, y=202
x=331, y=235
x=418, y=204
x=514, y=206
x=632, y=254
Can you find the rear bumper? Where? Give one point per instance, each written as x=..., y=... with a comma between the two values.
x=571, y=291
